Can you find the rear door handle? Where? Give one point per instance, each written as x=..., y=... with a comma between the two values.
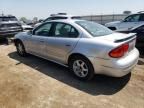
x=68, y=45
x=42, y=41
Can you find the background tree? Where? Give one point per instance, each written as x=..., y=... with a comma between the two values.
x=23, y=19
x=35, y=20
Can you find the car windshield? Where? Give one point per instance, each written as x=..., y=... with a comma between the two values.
x=8, y=19
x=94, y=29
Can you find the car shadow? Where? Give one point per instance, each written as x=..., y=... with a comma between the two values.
x=6, y=42
x=141, y=60
x=3, y=42
x=100, y=85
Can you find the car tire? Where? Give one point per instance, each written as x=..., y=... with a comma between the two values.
x=81, y=67
x=20, y=49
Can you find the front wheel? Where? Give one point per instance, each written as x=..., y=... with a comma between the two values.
x=81, y=67
x=20, y=49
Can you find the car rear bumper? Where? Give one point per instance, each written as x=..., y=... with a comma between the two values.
x=116, y=67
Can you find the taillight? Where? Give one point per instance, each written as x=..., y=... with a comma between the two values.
x=120, y=51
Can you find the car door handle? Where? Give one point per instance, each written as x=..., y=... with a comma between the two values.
x=68, y=45
x=42, y=41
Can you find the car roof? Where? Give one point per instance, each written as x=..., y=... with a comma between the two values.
x=141, y=12
x=66, y=20
x=137, y=14
x=59, y=15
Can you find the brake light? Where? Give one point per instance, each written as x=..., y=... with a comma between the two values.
x=120, y=51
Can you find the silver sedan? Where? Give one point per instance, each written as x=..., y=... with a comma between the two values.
x=87, y=48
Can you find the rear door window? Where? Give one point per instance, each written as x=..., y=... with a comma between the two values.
x=142, y=17
x=65, y=30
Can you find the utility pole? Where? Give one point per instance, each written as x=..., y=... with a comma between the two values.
x=2, y=13
x=113, y=16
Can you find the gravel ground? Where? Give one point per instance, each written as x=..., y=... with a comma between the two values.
x=32, y=82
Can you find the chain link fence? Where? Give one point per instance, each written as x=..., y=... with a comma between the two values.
x=102, y=19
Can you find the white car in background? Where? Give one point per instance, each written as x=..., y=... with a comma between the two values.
x=58, y=16
x=128, y=23
x=26, y=27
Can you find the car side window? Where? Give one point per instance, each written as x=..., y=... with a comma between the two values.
x=132, y=18
x=65, y=30
x=43, y=30
x=142, y=17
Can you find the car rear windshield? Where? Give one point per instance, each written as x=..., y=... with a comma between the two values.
x=94, y=29
x=8, y=19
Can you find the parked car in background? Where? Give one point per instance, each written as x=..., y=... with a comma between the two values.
x=86, y=47
x=58, y=16
x=128, y=23
x=26, y=27
x=9, y=26
x=139, y=30
x=61, y=16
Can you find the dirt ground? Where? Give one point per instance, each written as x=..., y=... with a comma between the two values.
x=32, y=82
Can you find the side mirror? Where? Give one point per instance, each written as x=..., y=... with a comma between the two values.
x=123, y=20
x=41, y=21
x=29, y=32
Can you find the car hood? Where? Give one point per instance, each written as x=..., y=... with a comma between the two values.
x=112, y=23
x=118, y=37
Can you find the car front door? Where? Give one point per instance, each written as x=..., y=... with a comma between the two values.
x=140, y=35
x=37, y=41
x=129, y=22
x=63, y=40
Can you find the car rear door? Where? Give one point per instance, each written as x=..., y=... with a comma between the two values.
x=63, y=40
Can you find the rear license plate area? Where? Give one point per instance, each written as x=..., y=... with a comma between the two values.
x=132, y=45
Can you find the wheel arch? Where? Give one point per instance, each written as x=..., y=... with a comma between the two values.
x=17, y=40
x=77, y=54
x=91, y=71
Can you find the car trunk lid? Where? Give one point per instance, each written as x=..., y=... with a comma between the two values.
x=119, y=39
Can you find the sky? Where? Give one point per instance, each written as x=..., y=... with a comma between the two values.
x=43, y=8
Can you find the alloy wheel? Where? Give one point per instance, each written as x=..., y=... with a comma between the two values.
x=80, y=68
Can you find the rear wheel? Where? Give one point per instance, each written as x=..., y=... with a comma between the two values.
x=81, y=67
x=20, y=48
